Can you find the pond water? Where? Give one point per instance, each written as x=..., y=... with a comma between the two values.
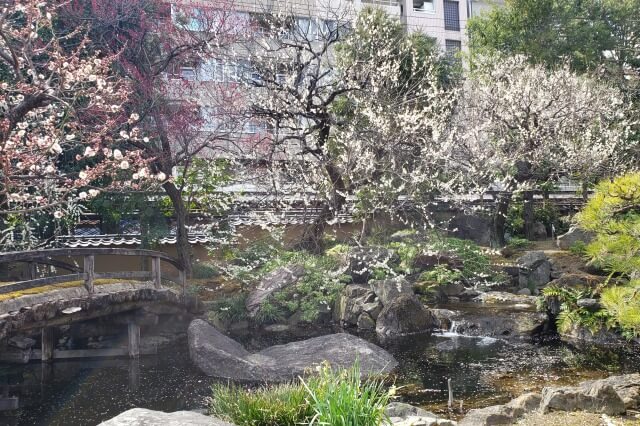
x=484, y=371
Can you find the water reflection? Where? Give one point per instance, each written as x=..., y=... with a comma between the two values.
x=89, y=391
x=484, y=371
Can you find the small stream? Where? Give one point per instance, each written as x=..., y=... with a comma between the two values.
x=484, y=371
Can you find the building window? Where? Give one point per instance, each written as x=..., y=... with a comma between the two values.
x=451, y=15
x=452, y=46
x=424, y=6
x=188, y=73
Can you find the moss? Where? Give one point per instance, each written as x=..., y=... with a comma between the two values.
x=52, y=287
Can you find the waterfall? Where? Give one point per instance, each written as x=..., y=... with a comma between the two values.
x=453, y=329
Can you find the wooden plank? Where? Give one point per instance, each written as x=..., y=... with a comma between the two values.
x=156, y=272
x=89, y=272
x=134, y=340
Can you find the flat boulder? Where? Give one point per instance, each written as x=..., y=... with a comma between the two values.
x=275, y=280
x=219, y=356
x=403, y=316
x=593, y=397
x=144, y=417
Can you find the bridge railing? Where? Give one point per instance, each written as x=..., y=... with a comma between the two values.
x=88, y=273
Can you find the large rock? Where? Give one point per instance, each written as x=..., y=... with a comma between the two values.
x=144, y=417
x=364, y=260
x=627, y=386
x=403, y=316
x=340, y=350
x=499, y=323
x=272, y=282
x=539, y=231
x=565, y=241
x=593, y=397
x=471, y=227
x=219, y=356
x=506, y=414
x=355, y=301
x=391, y=288
x=535, y=270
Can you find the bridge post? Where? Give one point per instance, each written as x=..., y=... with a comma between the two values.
x=134, y=340
x=48, y=343
x=32, y=271
x=156, y=272
x=89, y=272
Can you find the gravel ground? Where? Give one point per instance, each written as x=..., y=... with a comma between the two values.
x=576, y=419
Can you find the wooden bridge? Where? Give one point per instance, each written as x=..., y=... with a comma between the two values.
x=45, y=302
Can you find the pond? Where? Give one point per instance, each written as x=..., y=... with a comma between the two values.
x=484, y=371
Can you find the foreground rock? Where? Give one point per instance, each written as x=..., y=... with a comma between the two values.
x=502, y=414
x=593, y=397
x=274, y=281
x=219, y=356
x=403, y=316
x=144, y=417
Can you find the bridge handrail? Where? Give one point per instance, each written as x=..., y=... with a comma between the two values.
x=88, y=273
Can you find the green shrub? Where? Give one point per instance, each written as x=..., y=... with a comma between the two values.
x=517, y=243
x=280, y=405
x=613, y=213
x=230, y=309
x=579, y=248
x=204, y=270
x=343, y=399
x=269, y=313
x=622, y=303
x=570, y=313
x=337, y=398
x=441, y=275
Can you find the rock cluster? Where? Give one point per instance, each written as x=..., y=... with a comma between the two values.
x=610, y=396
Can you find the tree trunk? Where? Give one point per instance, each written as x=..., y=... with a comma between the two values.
x=312, y=236
x=499, y=219
x=182, y=237
x=528, y=215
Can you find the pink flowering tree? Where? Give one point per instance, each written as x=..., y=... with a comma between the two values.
x=61, y=104
x=161, y=50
